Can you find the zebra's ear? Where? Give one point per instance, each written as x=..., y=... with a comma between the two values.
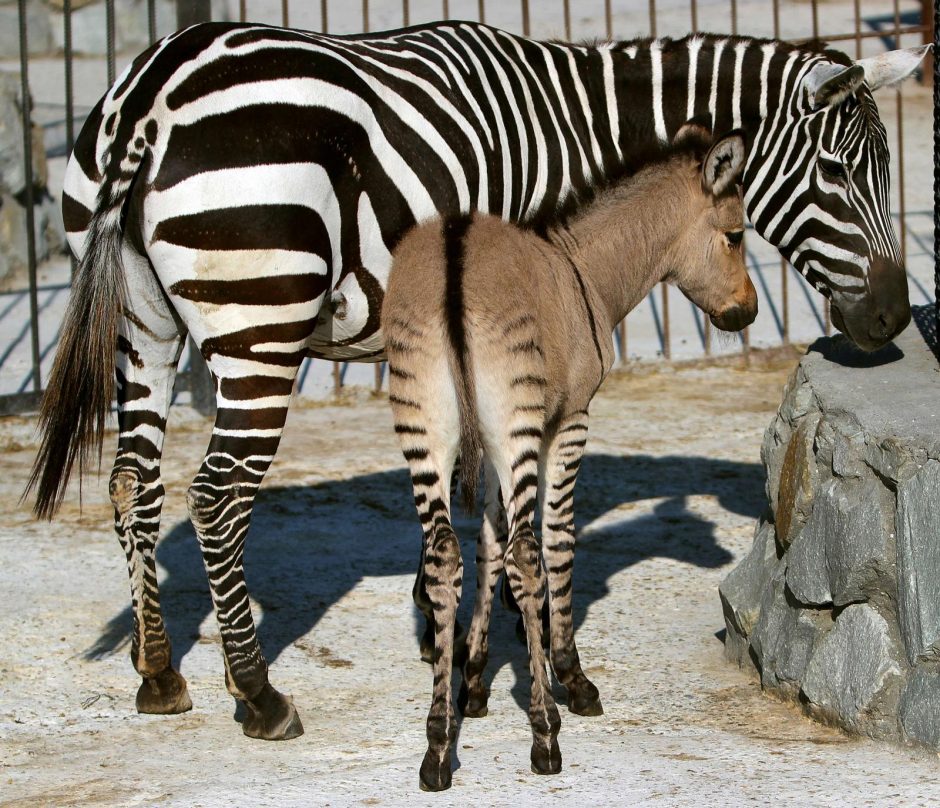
x=893, y=67
x=828, y=84
x=724, y=163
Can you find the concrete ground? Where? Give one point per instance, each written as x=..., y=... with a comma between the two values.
x=666, y=505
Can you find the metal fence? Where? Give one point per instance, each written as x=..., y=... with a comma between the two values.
x=892, y=23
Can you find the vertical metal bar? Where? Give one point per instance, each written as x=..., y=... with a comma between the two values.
x=622, y=341
x=785, y=294
x=667, y=340
x=609, y=22
x=936, y=164
x=567, y=11
x=69, y=87
x=365, y=16
x=653, y=18
x=28, y=173
x=525, y=17
x=827, y=316
x=242, y=10
x=694, y=8
x=734, y=16
x=379, y=373
x=151, y=21
x=324, y=18
x=858, y=29
x=481, y=10
x=746, y=344
x=285, y=13
x=814, y=5
x=776, y=19
x=929, y=36
x=900, y=116
x=337, y=379
x=405, y=13
x=109, y=26
x=707, y=334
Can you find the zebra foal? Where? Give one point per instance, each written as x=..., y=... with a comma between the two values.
x=497, y=339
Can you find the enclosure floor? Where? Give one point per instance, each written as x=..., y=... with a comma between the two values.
x=666, y=506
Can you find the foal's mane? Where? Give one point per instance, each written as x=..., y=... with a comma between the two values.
x=695, y=144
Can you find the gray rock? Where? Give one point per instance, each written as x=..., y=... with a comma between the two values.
x=807, y=568
x=784, y=637
x=920, y=708
x=852, y=665
x=742, y=589
x=798, y=481
x=918, y=555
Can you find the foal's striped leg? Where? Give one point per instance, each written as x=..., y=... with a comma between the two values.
x=147, y=353
x=491, y=547
x=426, y=422
x=562, y=461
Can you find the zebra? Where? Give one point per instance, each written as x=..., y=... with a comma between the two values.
x=494, y=342
x=245, y=184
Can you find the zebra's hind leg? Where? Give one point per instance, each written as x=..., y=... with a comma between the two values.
x=491, y=547
x=561, y=464
x=248, y=426
x=147, y=354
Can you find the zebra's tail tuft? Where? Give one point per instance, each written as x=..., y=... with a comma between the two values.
x=81, y=384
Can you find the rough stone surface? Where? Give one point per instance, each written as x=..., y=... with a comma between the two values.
x=920, y=708
x=854, y=663
x=844, y=616
x=918, y=523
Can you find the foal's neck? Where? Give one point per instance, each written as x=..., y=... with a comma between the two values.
x=622, y=241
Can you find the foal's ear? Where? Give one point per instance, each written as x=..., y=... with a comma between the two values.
x=724, y=163
x=695, y=129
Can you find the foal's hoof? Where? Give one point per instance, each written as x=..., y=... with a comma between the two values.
x=585, y=700
x=435, y=771
x=272, y=717
x=163, y=694
x=546, y=759
x=472, y=705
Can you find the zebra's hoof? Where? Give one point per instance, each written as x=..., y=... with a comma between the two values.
x=272, y=717
x=546, y=759
x=472, y=705
x=163, y=694
x=585, y=700
x=435, y=771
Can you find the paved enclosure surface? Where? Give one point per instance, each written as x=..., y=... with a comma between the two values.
x=666, y=504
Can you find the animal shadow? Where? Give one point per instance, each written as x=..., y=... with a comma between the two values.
x=310, y=545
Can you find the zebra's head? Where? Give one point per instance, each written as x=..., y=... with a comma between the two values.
x=818, y=188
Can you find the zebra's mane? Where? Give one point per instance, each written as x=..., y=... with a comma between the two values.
x=695, y=144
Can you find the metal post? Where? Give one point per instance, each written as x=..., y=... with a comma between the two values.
x=900, y=116
x=707, y=334
x=69, y=95
x=694, y=9
x=152, y=21
x=365, y=15
x=653, y=18
x=667, y=341
x=481, y=11
x=109, y=33
x=609, y=19
x=337, y=379
x=567, y=10
x=405, y=14
x=324, y=18
x=622, y=341
x=190, y=12
x=379, y=374
x=28, y=172
x=285, y=13
x=936, y=167
x=525, y=17
x=242, y=10
x=930, y=33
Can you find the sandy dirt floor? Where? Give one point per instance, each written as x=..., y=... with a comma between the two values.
x=666, y=505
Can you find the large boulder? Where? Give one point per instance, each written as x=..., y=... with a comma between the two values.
x=837, y=606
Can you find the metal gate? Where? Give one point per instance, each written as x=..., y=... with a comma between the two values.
x=26, y=349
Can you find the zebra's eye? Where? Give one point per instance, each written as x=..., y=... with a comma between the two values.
x=735, y=237
x=833, y=169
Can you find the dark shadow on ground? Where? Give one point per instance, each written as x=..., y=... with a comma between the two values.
x=308, y=546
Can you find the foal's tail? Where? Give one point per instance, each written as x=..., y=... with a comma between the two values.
x=461, y=364
x=81, y=385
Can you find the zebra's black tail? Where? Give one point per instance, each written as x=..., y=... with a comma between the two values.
x=81, y=385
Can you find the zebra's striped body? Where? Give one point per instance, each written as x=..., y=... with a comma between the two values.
x=246, y=184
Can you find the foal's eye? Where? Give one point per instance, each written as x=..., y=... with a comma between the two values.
x=833, y=169
x=735, y=237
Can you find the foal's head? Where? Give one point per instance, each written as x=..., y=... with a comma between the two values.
x=707, y=257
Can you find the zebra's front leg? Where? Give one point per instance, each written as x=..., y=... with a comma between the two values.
x=147, y=355
x=244, y=441
x=561, y=464
x=491, y=548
